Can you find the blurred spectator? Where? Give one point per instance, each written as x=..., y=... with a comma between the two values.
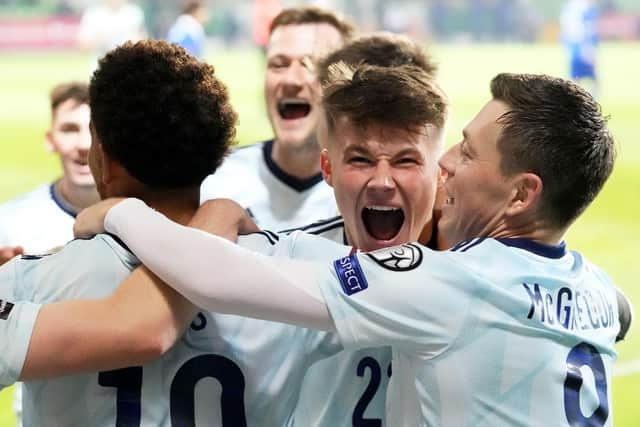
x=579, y=26
x=263, y=13
x=109, y=24
x=188, y=29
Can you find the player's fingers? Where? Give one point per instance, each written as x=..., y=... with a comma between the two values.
x=8, y=252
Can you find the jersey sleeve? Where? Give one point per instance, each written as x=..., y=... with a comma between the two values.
x=404, y=296
x=267, y=242
x=17, y=320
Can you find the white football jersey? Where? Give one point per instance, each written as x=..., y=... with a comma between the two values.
x=17, y=320
x=495, y=332
x=38, y=221
x=225, y=370
x=275, y=199
x=350, y=387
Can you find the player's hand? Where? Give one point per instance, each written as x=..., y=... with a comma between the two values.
x=90, y=221
x=8, y=252
x=224, y=218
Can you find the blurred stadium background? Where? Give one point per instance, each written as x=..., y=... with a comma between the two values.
x=471, y=40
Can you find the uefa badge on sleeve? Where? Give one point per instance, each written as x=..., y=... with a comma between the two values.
x=350, y=275
x=398, y=258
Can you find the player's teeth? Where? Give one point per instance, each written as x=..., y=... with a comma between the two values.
x=383, y=208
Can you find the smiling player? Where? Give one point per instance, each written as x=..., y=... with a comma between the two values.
x=279, y=181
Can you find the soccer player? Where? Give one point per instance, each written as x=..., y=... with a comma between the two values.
x=375, y=213
x=43, y=219
x=149, y=100
x=415, y=167
x=508, y=326
x=279, y=181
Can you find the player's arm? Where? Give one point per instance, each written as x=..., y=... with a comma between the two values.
x=140, y=321
x=218, y=275
x=625, y=314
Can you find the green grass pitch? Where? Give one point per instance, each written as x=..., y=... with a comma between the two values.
x=608, y=233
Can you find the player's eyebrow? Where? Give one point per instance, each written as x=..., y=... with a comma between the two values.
x=355, y=149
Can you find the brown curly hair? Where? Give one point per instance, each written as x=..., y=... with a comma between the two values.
x=161, y=113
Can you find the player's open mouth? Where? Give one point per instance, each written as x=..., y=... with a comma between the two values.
x=383, y=222
x=292, y=109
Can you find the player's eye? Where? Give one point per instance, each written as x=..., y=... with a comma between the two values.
x=358, y=160
x=407, y=161
x=277, y=62
x=69, y=128
x=464, y=151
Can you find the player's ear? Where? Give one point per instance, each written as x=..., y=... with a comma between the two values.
x=106, y=165
x=49, y=144
x=527, y=191
x=325, y=165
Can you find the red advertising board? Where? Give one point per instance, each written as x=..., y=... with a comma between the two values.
x=38, y=32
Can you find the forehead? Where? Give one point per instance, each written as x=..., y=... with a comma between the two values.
x=385, y=137
x=485, y=123
x=72, y=109
x=304, y=39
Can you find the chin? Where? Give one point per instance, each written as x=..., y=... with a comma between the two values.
x=86, y=182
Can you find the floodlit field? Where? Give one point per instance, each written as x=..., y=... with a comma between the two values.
x=607, y=233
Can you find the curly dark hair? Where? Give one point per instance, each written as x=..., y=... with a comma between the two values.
x=161, y=113
x=555, y=129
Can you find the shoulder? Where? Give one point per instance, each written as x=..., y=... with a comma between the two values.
x=319, y=227
x=242, y=168
x=264, y=241
x=82, y=268
x=34, y=198
x=253, y=152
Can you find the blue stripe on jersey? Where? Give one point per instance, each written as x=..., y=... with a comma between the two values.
x=466, y=245
x=272, y=234
x=320, y=223
x=296, y=183
x=327, y=228
x=547, y=251
x=60, y=202
x=269, y=235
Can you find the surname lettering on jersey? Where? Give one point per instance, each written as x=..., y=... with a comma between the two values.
x=580, y=309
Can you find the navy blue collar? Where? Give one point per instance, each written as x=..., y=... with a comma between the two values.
x=60, y=202
x=548, y=251
x=297, y=184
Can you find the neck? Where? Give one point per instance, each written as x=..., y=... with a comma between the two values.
x=79, y=197
x=178, y=207
x=300, y=162
x=535, y=230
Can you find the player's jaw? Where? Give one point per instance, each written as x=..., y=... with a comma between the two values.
x=77, y=170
